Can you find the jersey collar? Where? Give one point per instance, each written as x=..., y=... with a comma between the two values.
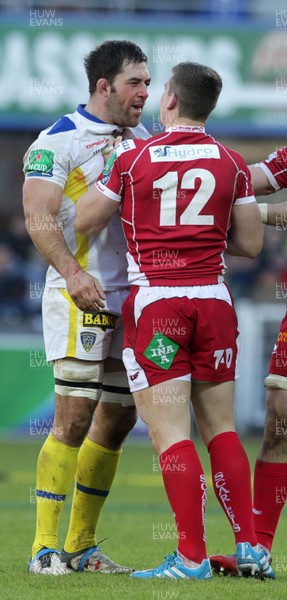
x=109, y=128
x=87, y=115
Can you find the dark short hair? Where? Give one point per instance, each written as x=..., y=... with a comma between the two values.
x=197, y=88
x=108, y=59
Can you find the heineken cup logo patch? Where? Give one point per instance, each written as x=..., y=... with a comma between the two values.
x=41, y=162
x=161, y=351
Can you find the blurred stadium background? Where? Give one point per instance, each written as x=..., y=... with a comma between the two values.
x=42, y=46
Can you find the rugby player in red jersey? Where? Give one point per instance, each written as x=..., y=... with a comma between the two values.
x=270, y=474
x=185, y=199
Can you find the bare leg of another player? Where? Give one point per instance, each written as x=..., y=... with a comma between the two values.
x=270, y=475
x=213, y=405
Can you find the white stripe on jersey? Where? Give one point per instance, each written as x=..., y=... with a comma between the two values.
x=247, y=200
x=239, y=171
x=270, y=176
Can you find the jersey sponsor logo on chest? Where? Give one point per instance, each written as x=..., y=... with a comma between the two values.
x=97, y=146
x=101, y=143
x=183, y=152
x=103, y=320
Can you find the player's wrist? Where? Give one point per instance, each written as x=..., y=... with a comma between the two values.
x=263, y=207
x=71, y=271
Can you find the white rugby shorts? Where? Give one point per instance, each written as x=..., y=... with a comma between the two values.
x=70, y=332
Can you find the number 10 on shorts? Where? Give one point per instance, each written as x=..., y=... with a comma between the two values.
x=223, y=357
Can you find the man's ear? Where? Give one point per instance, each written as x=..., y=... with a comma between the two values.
x=172, y=101
x=103, y=87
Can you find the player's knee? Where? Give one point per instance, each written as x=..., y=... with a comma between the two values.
x=74, y=431
x=119, y=425
x=111, y=424
x=75, y=378
x=127, y=422
x=73, y=418
x=119, y=420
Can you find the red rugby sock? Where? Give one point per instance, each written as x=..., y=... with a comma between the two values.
x=185, y=486
x=270, y=495
x=232, y=484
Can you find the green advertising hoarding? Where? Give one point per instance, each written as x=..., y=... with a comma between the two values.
x=27, y=387
x=42, y=74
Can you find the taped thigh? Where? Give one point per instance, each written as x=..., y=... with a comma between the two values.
x=78, y=378
x=116, y=389
x=277, y=382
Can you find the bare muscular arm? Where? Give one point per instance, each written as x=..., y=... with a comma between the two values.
x=42, y=201
x=245, y=236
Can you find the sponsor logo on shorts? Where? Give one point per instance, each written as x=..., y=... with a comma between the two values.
x=103, y=320
x=40, y=163
x=88, y=339
x=161, y=351
x=135, y=376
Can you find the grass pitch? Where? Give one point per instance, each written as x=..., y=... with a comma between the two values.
x=140, y=529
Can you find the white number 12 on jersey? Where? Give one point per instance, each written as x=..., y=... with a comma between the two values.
x=191, y=215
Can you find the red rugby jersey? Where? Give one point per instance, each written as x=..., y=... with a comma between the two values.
x=275, y=168
x=177, y=192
